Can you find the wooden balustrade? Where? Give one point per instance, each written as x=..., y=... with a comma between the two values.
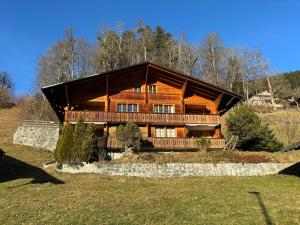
x=160, y=118
x=168, y=143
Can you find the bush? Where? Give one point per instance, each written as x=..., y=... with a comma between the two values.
x=202, y=143
x=64, y=147
x=76, y=144
x=253, y=135
x=129, y=135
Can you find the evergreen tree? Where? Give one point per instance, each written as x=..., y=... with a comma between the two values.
x=64, y=147
x=253, y=135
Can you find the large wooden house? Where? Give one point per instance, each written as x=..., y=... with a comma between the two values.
x=170, y=108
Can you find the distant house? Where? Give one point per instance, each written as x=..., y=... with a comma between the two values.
x=169, y=107
x=294, y=146
x=264, y=99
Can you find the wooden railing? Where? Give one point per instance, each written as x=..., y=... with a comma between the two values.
x=168, y=143
x=160, y=118
x=39, y=123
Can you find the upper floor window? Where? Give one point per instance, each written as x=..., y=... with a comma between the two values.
x=164, y=109
x=121, y=108
x=152, y=88
x=169, y=109
x=132, y=108
x=137, y=89
x=158, y=108
x=127, y=108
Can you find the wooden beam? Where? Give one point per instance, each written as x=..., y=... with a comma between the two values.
x=212, y=94
x=204, y=94
x=166, y=78
x=218, y=100
x=229, y=102
x=183, y=88
x=67, y=96
x=146, y=85
x=107, y=93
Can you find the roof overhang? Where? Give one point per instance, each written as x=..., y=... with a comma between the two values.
x=57, y=94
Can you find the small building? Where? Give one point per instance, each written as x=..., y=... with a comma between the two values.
x=169, y=107
x=264, y=99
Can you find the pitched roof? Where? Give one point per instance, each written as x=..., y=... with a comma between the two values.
x=294, y=146
x=57, y=98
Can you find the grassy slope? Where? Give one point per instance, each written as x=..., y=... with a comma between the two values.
x=94, y=199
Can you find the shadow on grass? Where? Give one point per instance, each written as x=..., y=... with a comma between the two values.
x=263, y=207
x=292, y=170
x=13, y=169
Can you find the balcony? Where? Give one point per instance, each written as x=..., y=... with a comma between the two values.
x=154, y=118
x=168, y=143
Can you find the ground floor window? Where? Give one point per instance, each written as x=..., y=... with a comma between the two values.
x=165, y=132
x=171, y=132
x=159, y=132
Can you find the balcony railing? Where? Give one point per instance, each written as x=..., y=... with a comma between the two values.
x=168, y=143
x=158, y=118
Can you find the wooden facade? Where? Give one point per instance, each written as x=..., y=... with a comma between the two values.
x=170, y=108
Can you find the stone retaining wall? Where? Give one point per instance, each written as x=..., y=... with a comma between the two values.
x=178, y=169
x=37, y=136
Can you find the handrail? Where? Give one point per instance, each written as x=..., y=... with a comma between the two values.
x=169, y=143
x=38, y=123
x=174, y=118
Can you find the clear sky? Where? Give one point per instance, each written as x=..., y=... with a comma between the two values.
x=28, y=28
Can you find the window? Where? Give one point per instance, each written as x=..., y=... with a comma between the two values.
x=132, y=108
x=171, y=132
x=124, y=108
x=158, y=108
x=164, y=109
x=137, y=89
x=127, y=108
x=152, y=89
x=159, y=132
x=169, y=109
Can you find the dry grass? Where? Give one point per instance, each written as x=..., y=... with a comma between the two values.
x=31, y=195
x=212, y=157
x=285, y=124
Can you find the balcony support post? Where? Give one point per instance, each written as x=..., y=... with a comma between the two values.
x=146, y=86
x=218, y=101
x=67, y=97
x=107, y=94
x=183, y=88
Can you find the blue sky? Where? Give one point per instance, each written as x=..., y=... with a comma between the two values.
x=28, y=28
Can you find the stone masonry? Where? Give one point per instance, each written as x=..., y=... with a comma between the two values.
x=177, y=169
x=44, y=137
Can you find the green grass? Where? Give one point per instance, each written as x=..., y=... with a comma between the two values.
x=26, y=196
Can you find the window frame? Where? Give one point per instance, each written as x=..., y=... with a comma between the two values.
x=163, y=107
x=137, y=89
x=123, y=107
x=152, y=89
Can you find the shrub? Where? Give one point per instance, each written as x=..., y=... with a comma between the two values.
x=129, y=135
x=85, y=141
x=64, y=147
x=76, y=144
x=202, y=143
x=253, y=135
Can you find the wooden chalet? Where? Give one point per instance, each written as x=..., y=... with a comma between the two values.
x=169, y=107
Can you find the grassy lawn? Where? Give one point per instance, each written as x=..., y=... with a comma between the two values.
x=32, y=195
